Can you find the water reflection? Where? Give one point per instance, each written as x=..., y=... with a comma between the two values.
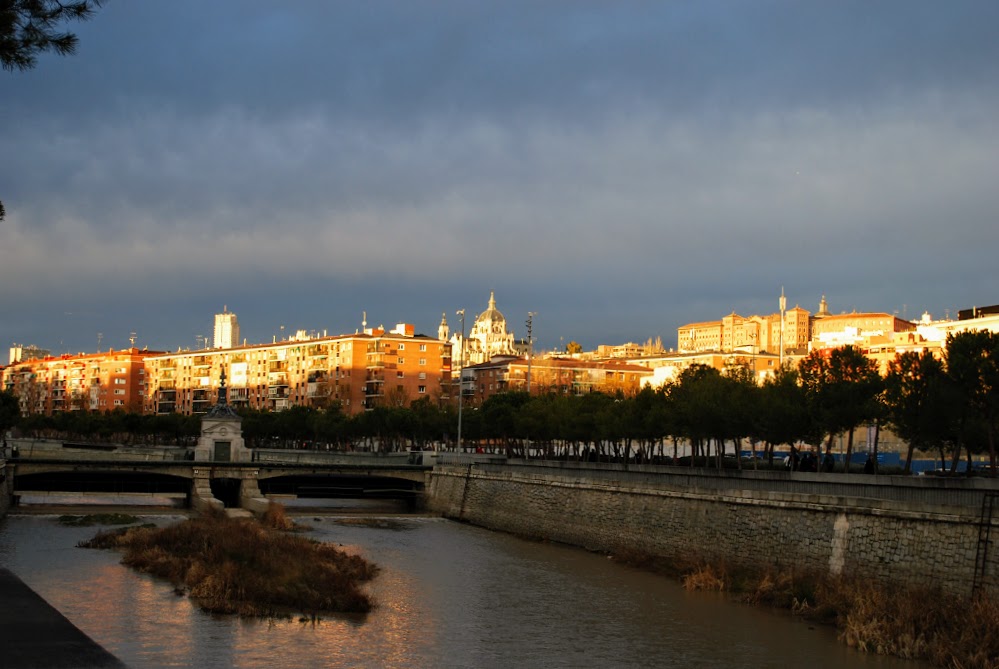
x=448, y=595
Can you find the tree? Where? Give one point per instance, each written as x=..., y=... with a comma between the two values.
x=973, y=367
x=573, y=347
x=918, y=394
x=843, y=389
x=10, y=411
x=30, y=27
x=782, y=415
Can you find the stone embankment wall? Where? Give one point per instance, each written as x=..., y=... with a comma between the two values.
x=914, y=530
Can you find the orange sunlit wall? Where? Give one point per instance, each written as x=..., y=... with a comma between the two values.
x=358, y=372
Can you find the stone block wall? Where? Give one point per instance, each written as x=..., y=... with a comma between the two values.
x=886, y=540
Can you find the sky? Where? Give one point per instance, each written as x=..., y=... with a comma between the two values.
x=618, y=168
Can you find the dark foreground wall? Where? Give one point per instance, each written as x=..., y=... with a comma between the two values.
x=33, y=634
x=893, y=529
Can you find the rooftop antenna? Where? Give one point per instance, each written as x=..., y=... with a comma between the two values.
x=100, y=335
x=364, y=320
x=131, y=339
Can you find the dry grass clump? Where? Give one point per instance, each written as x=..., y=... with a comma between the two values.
x=917, y=623
x=706, y=577
x=277, y=518
x=242, y=567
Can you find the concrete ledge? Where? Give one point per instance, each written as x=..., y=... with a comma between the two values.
x=33, y=634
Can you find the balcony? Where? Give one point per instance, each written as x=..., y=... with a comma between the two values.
x=317, y=389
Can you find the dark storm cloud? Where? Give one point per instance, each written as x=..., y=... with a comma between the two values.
x=618, y=167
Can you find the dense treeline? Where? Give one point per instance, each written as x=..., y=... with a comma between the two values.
x=948, y=406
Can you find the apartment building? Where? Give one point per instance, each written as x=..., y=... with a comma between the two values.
x=92, y=381
x=358, y=371
x=560, y=375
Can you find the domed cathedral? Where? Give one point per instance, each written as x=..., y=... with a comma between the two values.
x=487, y=339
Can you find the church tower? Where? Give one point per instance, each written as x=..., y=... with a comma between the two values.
x=443, y=331
x=823, y=308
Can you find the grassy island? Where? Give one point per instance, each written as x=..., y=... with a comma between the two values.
x=246, y=567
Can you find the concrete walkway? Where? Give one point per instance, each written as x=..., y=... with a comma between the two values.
x=33, y=635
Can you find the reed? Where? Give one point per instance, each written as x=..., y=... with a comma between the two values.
x=909, y=622
x=242, y=567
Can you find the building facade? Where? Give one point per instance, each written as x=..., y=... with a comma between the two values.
x=226, y=331
x=358, y=372
x=564, y=376
x=796, y=331
x=85, y=382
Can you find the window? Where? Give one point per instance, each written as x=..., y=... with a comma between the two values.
x=423, y=361
x=120, y=382
x=119, y=403
x=422, y=390
x=119, y=391
x=120, y=370
x=423, y=375
x=402, y=347
x=423, y=347
x=400, y=374
x=402, y=361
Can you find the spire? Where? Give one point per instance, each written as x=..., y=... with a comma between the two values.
x=492, y=299
x=443, y=330
x=823, y=308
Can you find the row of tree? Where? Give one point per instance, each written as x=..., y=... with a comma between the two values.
x=944, y=405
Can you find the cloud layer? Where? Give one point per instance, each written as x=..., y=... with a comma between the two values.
x=620, y=168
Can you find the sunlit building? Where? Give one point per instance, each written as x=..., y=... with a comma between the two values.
x=226, y=332
x=85, y=382
x=559, y=375
x=487, y=339
x=798, y=331
x=358, y=372
x=20, y=353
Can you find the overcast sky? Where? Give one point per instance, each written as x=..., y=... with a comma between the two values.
x=620, y=168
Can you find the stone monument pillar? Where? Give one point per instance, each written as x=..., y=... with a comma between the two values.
x=222, y=433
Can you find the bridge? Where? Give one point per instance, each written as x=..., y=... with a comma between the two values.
x=167, y=473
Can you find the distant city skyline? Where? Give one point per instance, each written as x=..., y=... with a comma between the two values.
x=618, y=168
x=282, y=332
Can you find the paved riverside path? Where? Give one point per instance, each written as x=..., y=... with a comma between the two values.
x=33, y=635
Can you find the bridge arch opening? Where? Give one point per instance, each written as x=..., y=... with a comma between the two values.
x=227, y=491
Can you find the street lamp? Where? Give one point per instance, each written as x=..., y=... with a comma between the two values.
x=461, y=374
x=530, y=346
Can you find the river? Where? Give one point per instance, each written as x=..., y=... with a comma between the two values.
x=448, y=595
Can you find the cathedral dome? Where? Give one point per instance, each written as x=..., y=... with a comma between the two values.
x=492, y=315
